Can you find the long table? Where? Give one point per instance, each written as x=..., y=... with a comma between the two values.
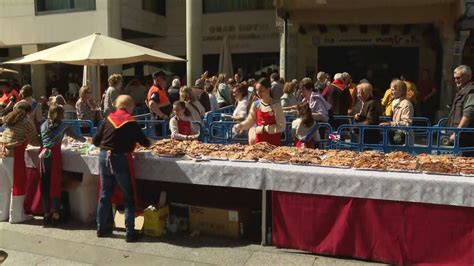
x=407, y=187
x=298, y=189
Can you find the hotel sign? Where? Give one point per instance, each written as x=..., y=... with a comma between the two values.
x=377, y=40
x=247, y=31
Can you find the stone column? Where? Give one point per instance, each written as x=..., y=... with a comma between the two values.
x=283, y=55
x=292, y=59
x=114, y=28
x=288, y=55
x=447, y=90
x=38, y=72
x=193, y=40
x=463, y=36
x=38, y=80
x=316, y=59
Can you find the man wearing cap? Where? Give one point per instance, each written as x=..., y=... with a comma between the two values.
x=158, y=101
x=201, y=95
x=8, y=99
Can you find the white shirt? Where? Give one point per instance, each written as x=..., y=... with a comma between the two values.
x=111, y=95
x=300, y=130
x=195, y=131
x=213, y=101
x=241, y=109
x=196, y=109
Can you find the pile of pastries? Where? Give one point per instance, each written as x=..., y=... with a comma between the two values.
x=400, y=161
x=465, y=165
x=251, y=152
x=339, y=158
x=368, y=160
x=437, y=164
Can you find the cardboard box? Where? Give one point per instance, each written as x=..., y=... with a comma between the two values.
x=217, y=222
x=178, y=221
x=119, y=220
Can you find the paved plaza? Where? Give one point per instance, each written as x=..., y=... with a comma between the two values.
x=31, y=244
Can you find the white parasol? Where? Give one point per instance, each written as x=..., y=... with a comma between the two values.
x=95, y=50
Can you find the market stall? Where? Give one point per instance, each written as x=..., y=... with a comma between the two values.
x=382, y=207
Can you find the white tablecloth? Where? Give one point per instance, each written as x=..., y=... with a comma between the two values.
x=214, y=173
x=72, y=161
x=436, y=189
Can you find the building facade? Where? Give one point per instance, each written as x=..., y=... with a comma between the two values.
x=28, y=26
x=384, y=37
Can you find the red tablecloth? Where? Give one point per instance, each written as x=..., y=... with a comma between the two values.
x=387, y=231
x=32, y=202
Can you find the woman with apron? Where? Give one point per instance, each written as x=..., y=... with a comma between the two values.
x=52, y=133
x=19, y=131
x=181, y=124
x=266, y=114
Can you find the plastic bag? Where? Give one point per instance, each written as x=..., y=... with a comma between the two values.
x=155, y=220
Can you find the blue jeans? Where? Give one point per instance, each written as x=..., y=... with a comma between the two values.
x=119, y=174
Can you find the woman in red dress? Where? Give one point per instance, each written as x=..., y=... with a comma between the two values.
x=266, y=114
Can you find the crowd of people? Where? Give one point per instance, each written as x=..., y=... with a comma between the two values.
x=260, y=107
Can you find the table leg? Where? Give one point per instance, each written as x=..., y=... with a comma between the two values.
x=264, y=217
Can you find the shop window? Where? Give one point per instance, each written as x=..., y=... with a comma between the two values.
x=155, y=6
x=216, y=6
x=63, y=6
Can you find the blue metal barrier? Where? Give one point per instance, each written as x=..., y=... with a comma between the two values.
x=154, y=129
x=143, y=117
x=353, y=137
x=324, y=131
x=418, y=121
x=289, y=117
x=226, y=110
x=149, y=128
x=344, y=120
x=78, y=124
x=442, y=122
x=221, y=132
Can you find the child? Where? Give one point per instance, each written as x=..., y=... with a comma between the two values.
x=181, y=125
x=52, y=133
x=304, y=128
